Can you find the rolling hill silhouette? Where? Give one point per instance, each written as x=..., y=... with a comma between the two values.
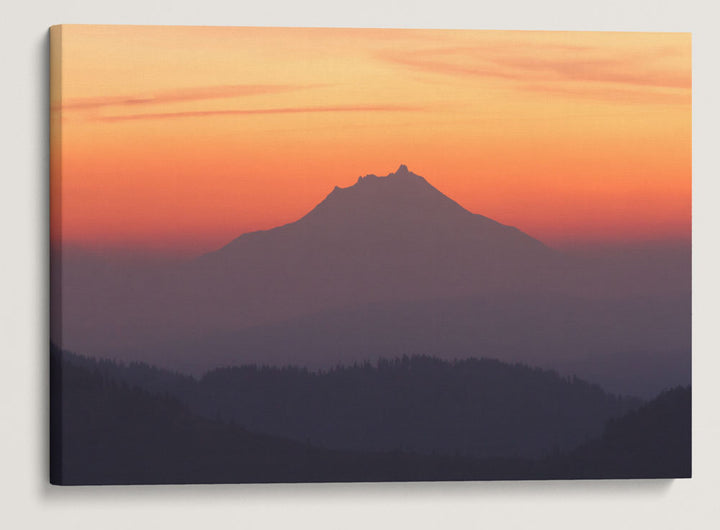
x=110, y=425
x=474, y=407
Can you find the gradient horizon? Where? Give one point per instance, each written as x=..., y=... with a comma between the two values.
x=175, y=140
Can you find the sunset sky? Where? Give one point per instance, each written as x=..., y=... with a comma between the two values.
x=178, y=139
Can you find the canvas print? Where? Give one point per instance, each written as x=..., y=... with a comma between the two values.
x=338, y=255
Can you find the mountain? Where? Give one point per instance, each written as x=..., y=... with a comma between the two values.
x=398, y=220
x=383, y=237
x=385, y=267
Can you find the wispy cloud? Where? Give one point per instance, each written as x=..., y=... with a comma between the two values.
x=630, y=71
x=181, y=95
x=250, y=112
x=618, y=95
x=570, y=68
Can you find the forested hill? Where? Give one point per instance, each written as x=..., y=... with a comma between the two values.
x=475, y=407
x=106, y=431
x=652, y=441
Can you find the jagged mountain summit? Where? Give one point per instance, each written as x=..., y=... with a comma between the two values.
x=397, y=198
x=389, y=219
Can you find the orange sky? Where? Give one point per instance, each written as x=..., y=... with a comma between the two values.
x=178, y=139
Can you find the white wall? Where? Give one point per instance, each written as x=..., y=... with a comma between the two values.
x=27, y=501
